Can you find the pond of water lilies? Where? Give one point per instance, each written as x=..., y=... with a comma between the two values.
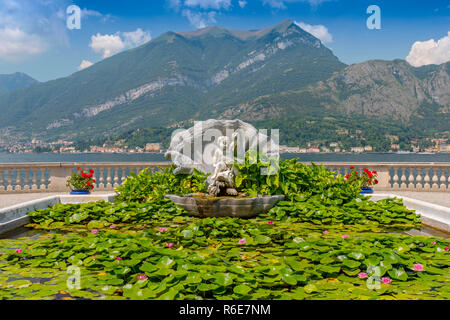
x=320, y=243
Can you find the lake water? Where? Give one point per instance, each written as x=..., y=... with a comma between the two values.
x=155, y=157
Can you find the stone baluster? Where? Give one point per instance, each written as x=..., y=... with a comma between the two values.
x=426, y=179
x=9, y=187
x=44, y=180
x=18, y=186
x=443, y=186
x=435, y=179
x=116, y=177
x=395, y=185
x=108, y=178
x=419, y=179
x=403, y=178
x=34, y=185
x=2, y=179
x=26, y=186
x=101, y=179
x=411, y=185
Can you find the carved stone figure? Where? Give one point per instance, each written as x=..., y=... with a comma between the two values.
x=222, y=180
x=212, y=147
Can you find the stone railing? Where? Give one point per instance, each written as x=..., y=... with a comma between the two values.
x=402, y=176
x=51, y=177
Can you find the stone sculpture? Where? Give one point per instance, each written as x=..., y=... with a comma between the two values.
x=195, y=148
x=213, y=146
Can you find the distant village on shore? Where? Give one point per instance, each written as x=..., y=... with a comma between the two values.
x=63, y=146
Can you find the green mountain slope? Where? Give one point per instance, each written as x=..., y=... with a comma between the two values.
x=175, y=77
x=374, y=89
x=10, y=82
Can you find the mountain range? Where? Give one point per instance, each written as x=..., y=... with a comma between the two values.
x=11, y=82
x=281, y=72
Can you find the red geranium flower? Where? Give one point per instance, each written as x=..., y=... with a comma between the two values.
x=91, y=171
x=78, y=168
x=352, y=167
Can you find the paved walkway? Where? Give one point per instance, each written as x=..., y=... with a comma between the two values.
x=440, y=198
x=8, y=200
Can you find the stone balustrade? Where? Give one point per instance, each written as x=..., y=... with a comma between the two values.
x=51, y=177
x=402, y=176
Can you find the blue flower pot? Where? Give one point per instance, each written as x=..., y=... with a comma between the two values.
x=366, y=191
x=80, y=192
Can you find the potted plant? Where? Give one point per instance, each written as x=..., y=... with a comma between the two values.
x=81, y=182
x=367, y=179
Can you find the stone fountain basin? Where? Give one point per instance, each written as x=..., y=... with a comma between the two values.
x=204, y=206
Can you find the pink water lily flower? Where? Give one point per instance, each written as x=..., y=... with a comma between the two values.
x=325, y=232
x=242, y=241
x=446, y=249
x=270, y=222
x=362, y=275
x=162, y=229
x=113, y=226
x=142, y=277
x=434, y=242
x=118, y=258
x=386, y=280
x=344, y=236
x=418, y=267
x=169, y=245
x=19, y=251
x=95, y=231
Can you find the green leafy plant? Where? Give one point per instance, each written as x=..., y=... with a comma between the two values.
x=148, y=185
x=291, y=178
x=81, y=180
x=227, y=258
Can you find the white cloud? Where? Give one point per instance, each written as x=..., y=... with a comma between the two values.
x=208, y=4
x=111, y=44
x=17, y=44
x=429, y=52
x=84, y=64
x=136, y=38
x=30, y=27
x=201, y=13
x=281, y=4
x=242, y=4
x=319, y=31
x=86, y=13
x=107, y=45
x=200, y=19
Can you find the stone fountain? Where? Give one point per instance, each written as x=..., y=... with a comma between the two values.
x=212, y=147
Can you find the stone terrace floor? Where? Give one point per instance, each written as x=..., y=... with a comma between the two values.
x=8, y=200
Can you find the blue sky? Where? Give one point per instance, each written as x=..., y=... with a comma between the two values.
x=34, y=38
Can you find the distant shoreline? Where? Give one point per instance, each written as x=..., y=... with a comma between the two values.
x=283, y=153
x=159, y=157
